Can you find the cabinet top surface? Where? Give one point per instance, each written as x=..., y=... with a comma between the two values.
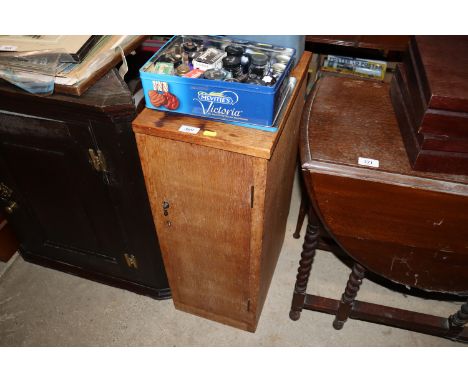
x=445, y=61
x=110, y=90
x=228, y=137
x=349, y=119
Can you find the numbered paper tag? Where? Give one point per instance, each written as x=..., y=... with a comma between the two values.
x=368, y=162
x=189, y=129
x=8, y=48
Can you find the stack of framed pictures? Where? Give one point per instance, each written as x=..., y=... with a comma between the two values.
x=87, y=58
x=76, y=46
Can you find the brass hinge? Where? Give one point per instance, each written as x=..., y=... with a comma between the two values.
x=97, y=160
x=131, y=261
x=5, y=192
x=5, y=195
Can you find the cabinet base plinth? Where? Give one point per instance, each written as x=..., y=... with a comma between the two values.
x=158, y=294
x=250, y=327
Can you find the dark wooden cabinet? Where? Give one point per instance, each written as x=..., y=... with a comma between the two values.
x=72, y=184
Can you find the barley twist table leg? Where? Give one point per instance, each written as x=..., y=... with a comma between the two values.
x=457, y=321
x=300, y=218
x=305, y=265
x=347, y=299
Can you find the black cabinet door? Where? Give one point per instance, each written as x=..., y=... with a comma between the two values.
x=126, y=186
x=63, y=206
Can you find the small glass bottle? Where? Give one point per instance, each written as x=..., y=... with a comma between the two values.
x=182, y=69
x=190, y=52
x=258, y=64
x=282, y=59
x=177, y=49
x=277, y=69
x=239, y=51
x=268, y=80
x=253, y=79
x=189, y=46
x=233, y=65
x=234, y=50
x=215, y=74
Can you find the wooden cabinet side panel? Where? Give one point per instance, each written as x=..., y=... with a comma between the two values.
x=256, y=242
x=279, y=182
x=205, y=236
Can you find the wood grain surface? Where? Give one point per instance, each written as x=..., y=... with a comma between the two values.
x=363, y=104
x=109, y=95
x=427, y=120
x=434, y=129
x=279, y=179
x=442, y=62
x=442, y=143
x=228, y=200
x=425, y=159
x=413, y=237
x=205, y=237
x=408, y=226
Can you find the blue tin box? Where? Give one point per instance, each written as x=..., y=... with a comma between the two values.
x=249, y=105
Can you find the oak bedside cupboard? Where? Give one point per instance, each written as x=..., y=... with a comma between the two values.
x=220, y=199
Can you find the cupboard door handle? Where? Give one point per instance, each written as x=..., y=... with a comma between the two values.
x=11, y=207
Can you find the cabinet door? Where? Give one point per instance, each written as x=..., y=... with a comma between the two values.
x=64, y=210
x=201, y=202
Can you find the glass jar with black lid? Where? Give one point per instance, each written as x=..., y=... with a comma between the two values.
x=190, y=51
x=233, y=65
x=189, y=46
x=234, y=50
x=253, y=79
x=238, y=51
x=258, y=64
x=215, y=74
